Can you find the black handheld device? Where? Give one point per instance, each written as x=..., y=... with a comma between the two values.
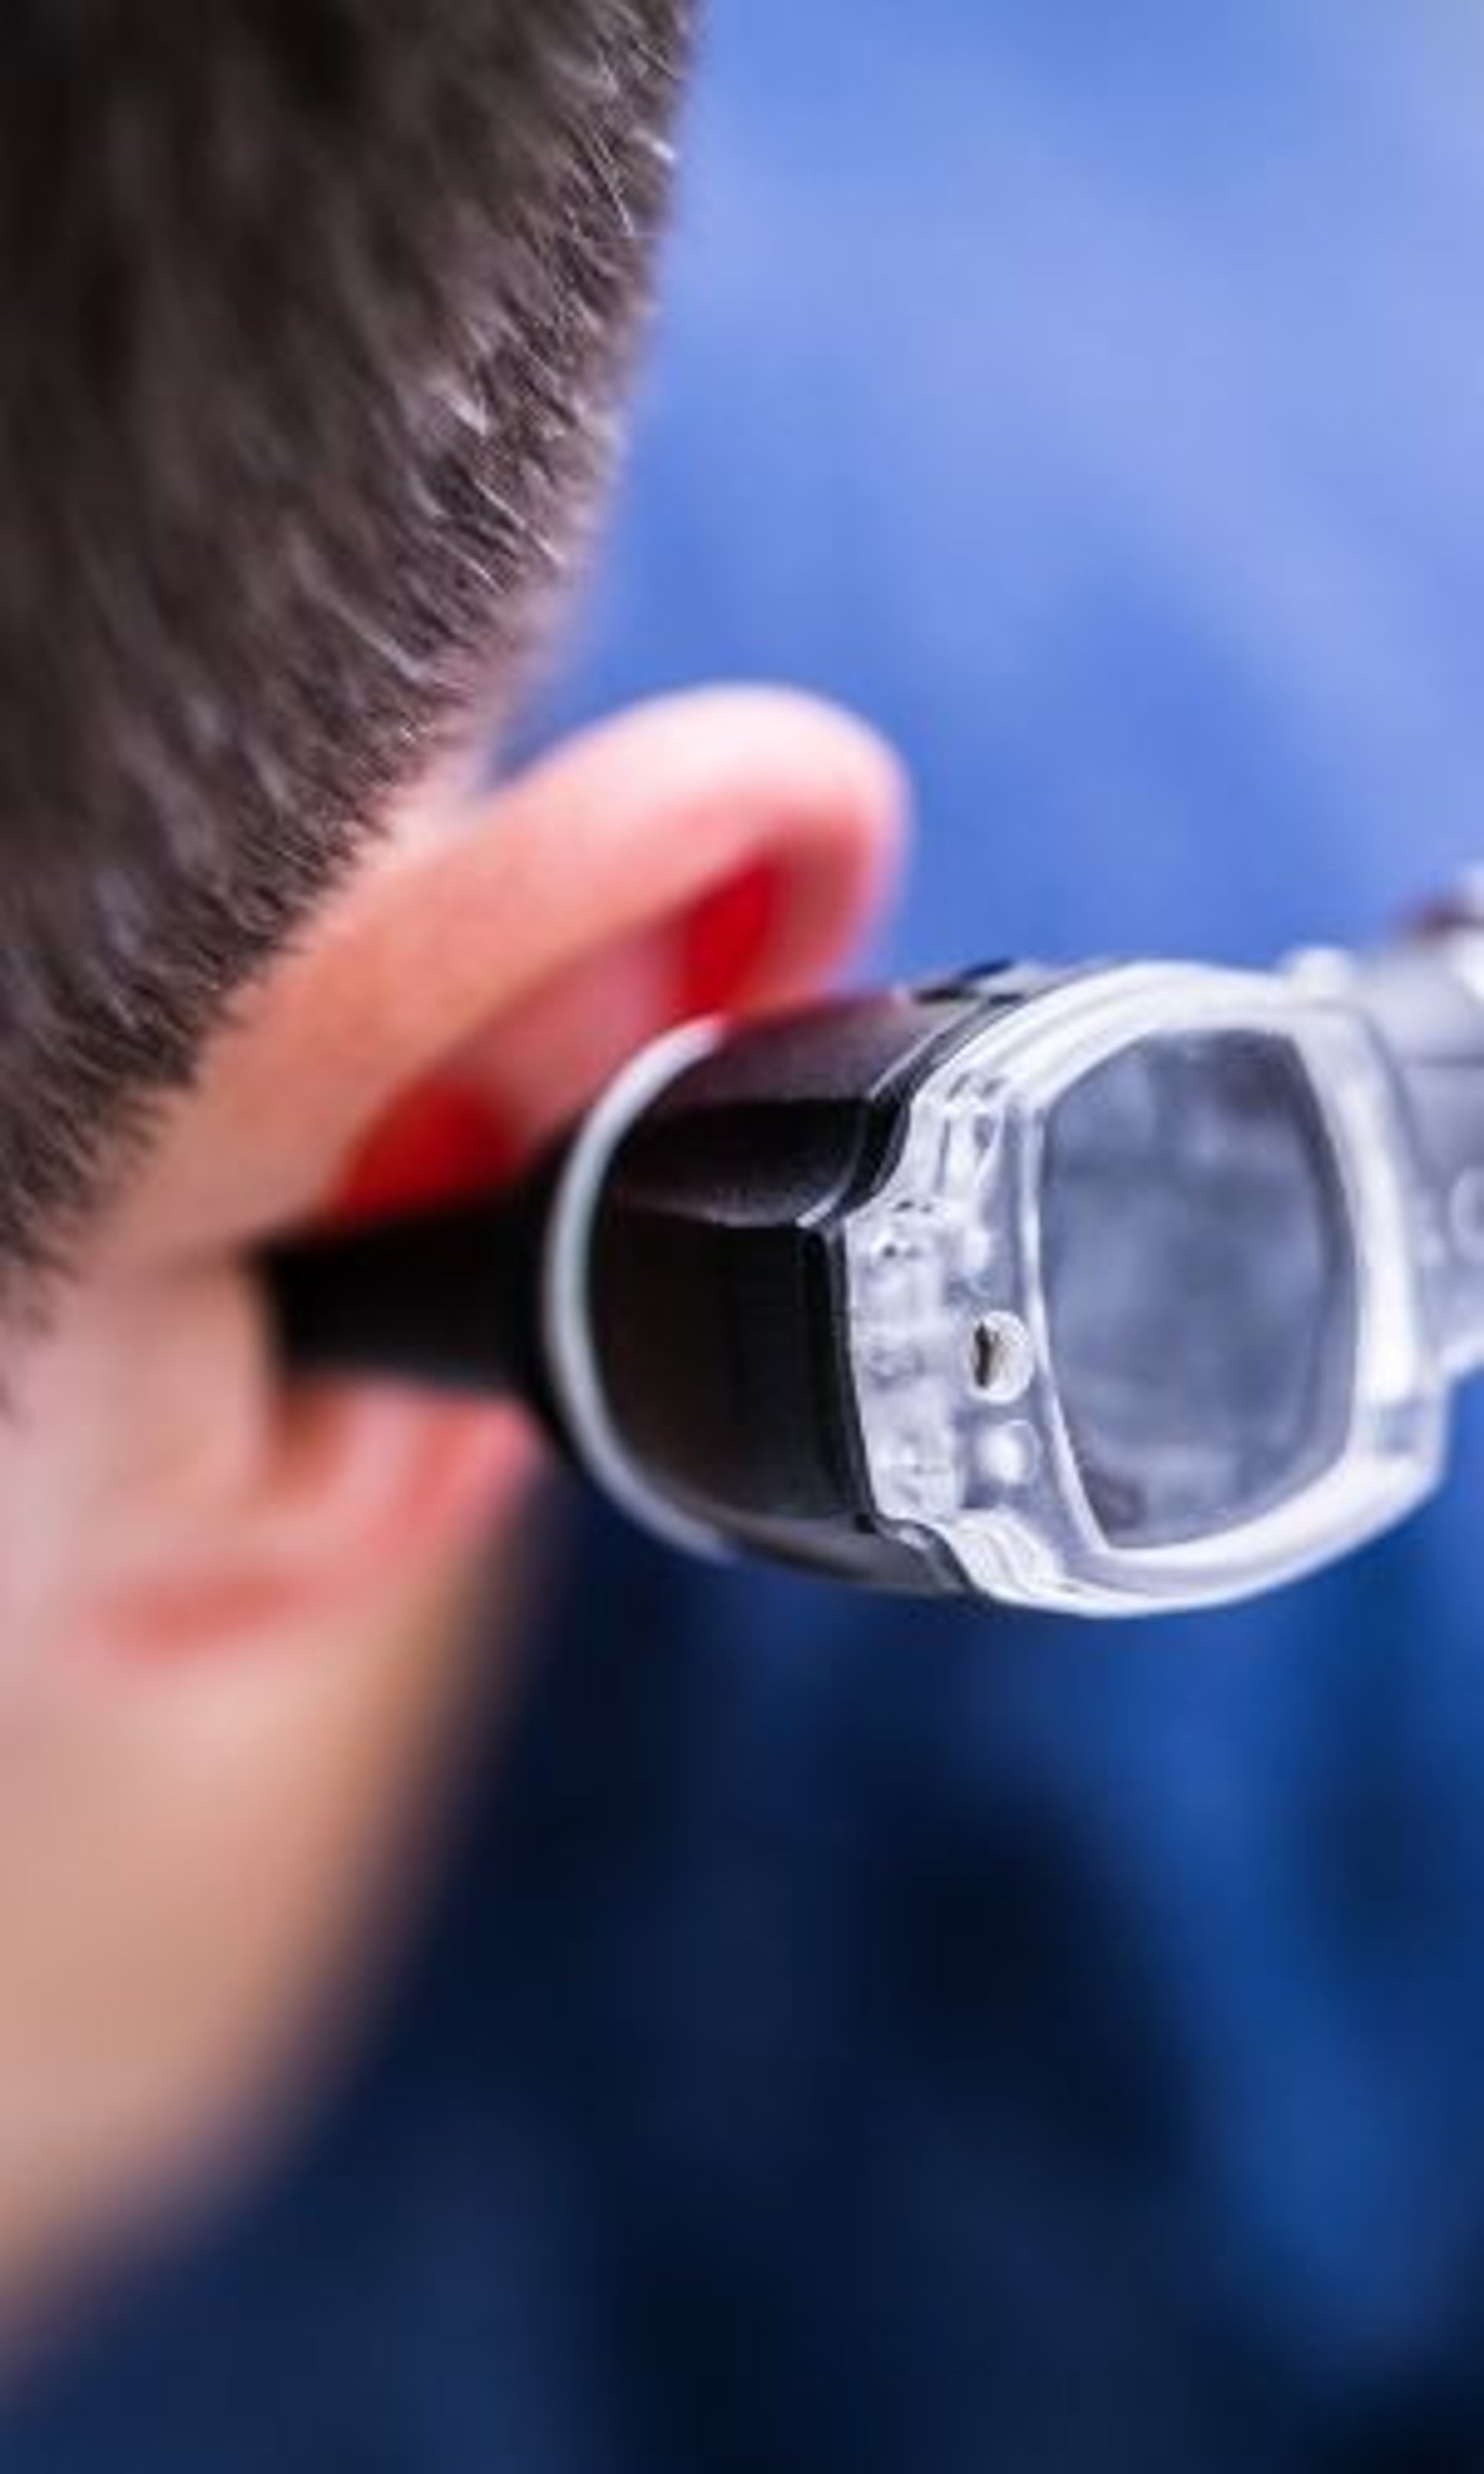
x=1131, y=1287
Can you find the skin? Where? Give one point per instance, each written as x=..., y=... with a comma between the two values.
x=223, y=1595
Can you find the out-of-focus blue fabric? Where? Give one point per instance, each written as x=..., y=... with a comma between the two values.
x=865, y=2037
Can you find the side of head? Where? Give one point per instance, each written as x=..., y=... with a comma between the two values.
x=320, y=317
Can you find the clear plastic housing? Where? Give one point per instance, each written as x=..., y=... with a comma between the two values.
x=1136, y=1319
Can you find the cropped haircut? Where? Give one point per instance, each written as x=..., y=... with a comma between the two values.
x=317, y=318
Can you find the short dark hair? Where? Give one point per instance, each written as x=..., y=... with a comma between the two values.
x=316, y=314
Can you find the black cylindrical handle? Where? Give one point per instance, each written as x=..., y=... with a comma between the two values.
x=710, y=1320
x=448, y=1299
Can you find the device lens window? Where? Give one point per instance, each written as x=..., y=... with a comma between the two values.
x=1200, y=1283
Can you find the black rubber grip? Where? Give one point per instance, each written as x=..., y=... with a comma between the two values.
x=446, y=1299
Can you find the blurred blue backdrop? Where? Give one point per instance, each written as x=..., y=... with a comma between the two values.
x=1095, y=397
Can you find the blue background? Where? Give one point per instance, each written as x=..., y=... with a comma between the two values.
x=1095, y=397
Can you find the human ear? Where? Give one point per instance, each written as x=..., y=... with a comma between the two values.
x=469, y=993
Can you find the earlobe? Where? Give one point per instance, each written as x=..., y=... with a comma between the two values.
x=370, y=1495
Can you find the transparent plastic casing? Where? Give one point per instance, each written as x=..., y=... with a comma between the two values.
x=965, y=1435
